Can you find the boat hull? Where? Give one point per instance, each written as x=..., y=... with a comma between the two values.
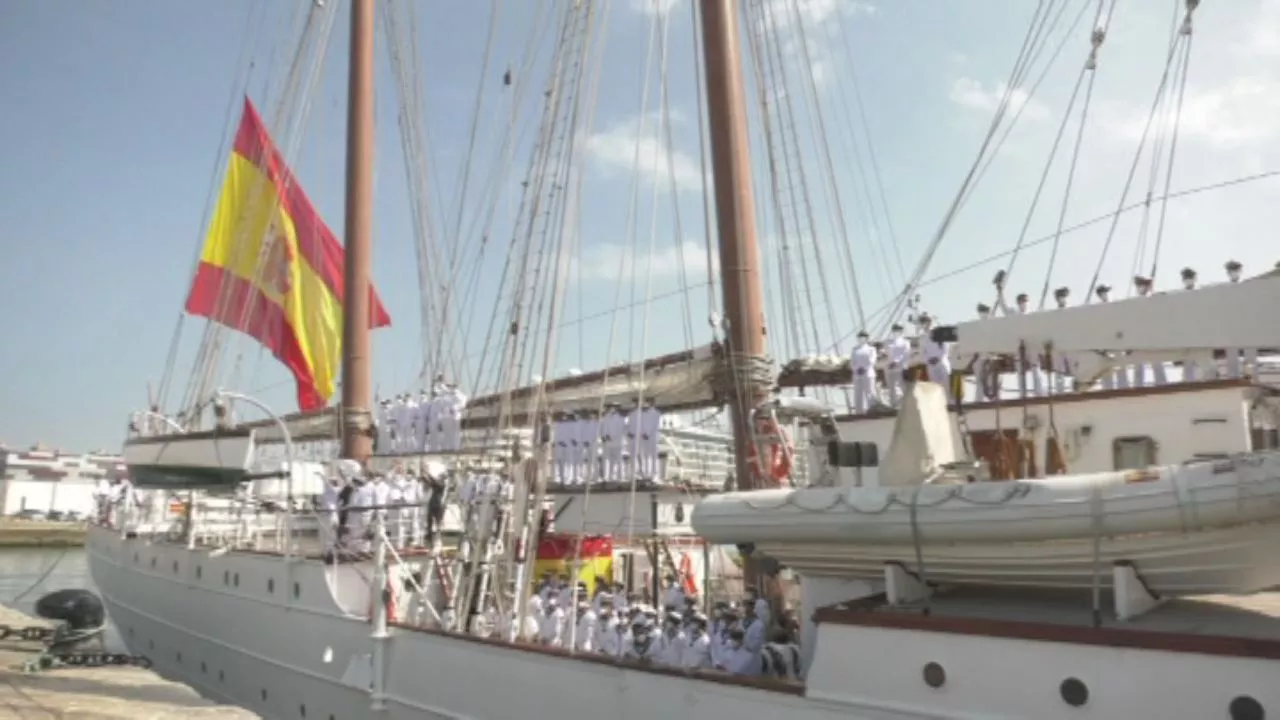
x=232, y=627
x=198, y=461
x=273, y=636
x=1203, y=528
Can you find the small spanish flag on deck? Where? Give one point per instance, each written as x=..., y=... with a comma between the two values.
x=557, y=552
x=272, y=269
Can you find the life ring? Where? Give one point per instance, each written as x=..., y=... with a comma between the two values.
x=779, y=468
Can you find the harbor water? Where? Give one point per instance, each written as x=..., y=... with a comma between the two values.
x=28, y=573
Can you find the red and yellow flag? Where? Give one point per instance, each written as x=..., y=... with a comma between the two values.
x=557, y=553
x=272, y=269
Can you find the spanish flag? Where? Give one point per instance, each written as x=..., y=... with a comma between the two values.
x=272, y=269
x=558, y=551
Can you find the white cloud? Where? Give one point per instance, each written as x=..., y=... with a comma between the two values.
x=970, y=93
x=1238, y=113
x=820, y=21
x=613, y=262
x=654, y=7
x=638, y=145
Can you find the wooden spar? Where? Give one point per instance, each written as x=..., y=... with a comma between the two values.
x=743, y=287
x=357, y=381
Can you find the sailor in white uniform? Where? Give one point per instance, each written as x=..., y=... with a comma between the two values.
x=553, y=623
x=898, y=350
x=1063, y=369
x=588, y=435
x=385, y=424
x=863, y=362
x=1191, y=371
x=736, y=658
x=632, y=435
x=1032, y=373
x=697, y=651
x=669, y=646
x=563, y=431
x=406, y=414
x=585, y=633
x=1234, y=367
x=329, y=506
x=1146, y=374
x=650, y=427
x=638, y=645
x=1119, y=378
x=608, y=639
x=452, y=423
x=613, y=428
x=936, y=355
x=102, y=501
x=422, y=422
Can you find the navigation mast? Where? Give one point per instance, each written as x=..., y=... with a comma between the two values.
x=743, y=287
x=357, y=381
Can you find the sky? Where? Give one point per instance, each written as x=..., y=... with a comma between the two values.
x=117, y=116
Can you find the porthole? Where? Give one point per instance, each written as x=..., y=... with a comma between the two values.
x=1074, y=692
x=934, y=676
x=235, y=580
x=264, y=694
x=271, y=585
x=199, y=572
x=1244, y=707
x=297, y=590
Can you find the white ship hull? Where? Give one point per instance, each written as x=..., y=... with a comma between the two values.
x=259, y=646
x=285, y=655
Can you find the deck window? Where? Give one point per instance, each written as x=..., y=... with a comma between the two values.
x=1134, y=452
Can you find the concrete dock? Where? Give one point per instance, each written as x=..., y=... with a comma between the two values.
x=107, y=693
x=35, y=533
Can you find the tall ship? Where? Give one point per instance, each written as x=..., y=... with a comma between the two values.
x=1059, y=511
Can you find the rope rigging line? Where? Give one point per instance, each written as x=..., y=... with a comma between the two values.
x=291, y=111
x=1022, y=64
x=766, y=89
x=1008, y=128
x=1083, y=225
x=833, y=199
x=1157, y=157
x=1142, y=141
x=1187, y=30
x=1098, y=36
x=713, y=301
x=239, y=85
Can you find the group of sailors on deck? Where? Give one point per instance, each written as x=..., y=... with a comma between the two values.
x=615, y=445
x=735, y=639
x=894, y=356
x=432, y=422
x=410, y=507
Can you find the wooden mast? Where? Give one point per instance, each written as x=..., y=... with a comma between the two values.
x=743, y=286
x=357, y=400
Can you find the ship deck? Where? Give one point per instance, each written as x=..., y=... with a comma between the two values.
x=1216, y=624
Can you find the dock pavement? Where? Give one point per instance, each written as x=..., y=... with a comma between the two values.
x=101, y=693
x=38, y=533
